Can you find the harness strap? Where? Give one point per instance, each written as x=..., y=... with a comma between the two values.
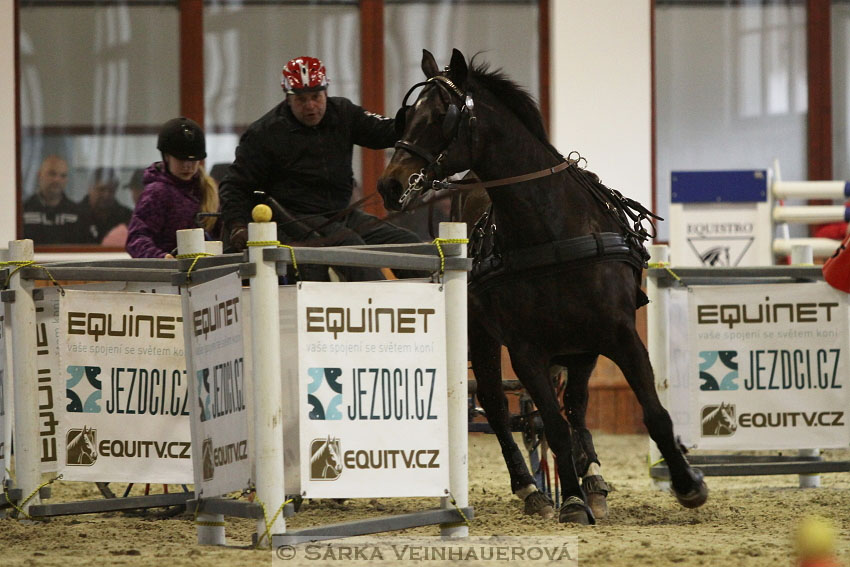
x=564, y=251
x=472, y=184
x=416, y=150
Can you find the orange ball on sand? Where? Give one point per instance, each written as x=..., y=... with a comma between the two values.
x=815, y=543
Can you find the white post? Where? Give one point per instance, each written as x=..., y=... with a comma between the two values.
x=8, y=375
x=657, y=325
x=210, y=527
x=268, y=395
x=802, y=255
x=26, y=434
x=214, y=247
x=454, y=282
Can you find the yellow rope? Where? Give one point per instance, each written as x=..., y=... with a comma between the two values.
x=20, y=508
x=197, y=256
x=202, y=523
x=20, y=264
x=279, y=245
x=650, y=465
x=666, y=266
x=267, y=533
x=459, y=511
x=439, y=242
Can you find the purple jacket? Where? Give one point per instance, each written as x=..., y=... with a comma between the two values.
x=167, y=204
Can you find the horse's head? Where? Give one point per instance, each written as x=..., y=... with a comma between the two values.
x=435, y=133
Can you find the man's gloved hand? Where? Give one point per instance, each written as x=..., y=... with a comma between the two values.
x=238, y=238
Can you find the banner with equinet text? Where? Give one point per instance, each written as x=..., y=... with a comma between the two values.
x=769, y=366
x=372, y=389
x=220, y=384
x=125, y=408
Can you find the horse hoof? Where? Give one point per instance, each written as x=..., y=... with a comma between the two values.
x=575, y=511
x=596, y=490
x=539, y=504
x=696, y=497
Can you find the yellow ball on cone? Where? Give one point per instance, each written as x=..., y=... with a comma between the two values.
x=261, y=213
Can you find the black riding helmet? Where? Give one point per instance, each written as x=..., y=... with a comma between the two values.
x=183, y=139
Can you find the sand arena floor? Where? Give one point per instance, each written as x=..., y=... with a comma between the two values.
x=747, y=521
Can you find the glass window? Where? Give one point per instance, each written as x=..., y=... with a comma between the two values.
x=96, y=82
x=731, y=90
x=504, y=34
x=840, y=19
x=246, y=45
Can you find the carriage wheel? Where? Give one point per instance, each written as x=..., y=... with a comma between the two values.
x=123, y=490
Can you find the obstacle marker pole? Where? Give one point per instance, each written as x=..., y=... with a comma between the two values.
x=26, y=434
x=658, y=323
x=454, y=282
x=268, y=396
x=802, y=255
x=210, y=527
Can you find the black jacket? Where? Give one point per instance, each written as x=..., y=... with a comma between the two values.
x=306, y=169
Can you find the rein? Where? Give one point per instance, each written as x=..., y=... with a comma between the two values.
x=469, y=185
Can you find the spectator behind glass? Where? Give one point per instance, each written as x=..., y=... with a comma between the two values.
x=99, y=210
x=176, y=189
x=300, y=153
x=117, y=237
x=50, y=217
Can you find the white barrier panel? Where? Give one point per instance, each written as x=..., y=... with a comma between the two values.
x=221, y=384
x=122, y=360
x=372, y=374
x=769, y=367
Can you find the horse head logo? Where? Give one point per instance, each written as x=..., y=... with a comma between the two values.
x=81, y=446
x=207, y=459
x=717, y=256
x=718, y=421
x=325, y=459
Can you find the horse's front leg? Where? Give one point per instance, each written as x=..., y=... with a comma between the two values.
x=485, y=353
x=531, y=366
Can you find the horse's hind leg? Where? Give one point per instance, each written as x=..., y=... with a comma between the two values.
x=579, y=369
x=486, y=363
x=632, y=358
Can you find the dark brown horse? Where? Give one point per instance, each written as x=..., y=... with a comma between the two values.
x=557, y=270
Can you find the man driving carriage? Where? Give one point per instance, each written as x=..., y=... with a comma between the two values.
x=300, y=154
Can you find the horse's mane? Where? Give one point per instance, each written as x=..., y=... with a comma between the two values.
x=515, y=97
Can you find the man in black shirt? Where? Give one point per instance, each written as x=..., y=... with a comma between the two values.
x=99, y=210
x=50, y=217
x=300, y=154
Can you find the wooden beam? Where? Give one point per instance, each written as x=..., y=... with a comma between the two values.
x=372, y=92
x=543, y=58
x=192, y=59
x=819, y=62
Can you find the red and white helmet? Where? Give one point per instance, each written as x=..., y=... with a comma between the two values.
x=304, y=74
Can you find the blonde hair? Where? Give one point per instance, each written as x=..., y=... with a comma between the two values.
x=209, y=198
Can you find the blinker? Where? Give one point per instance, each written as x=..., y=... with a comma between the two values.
x=450, y=121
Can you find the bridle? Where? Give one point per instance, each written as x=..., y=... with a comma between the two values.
x=418, y=182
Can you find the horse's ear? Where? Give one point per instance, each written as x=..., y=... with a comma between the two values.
x=429, y=64
x=458, y=67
